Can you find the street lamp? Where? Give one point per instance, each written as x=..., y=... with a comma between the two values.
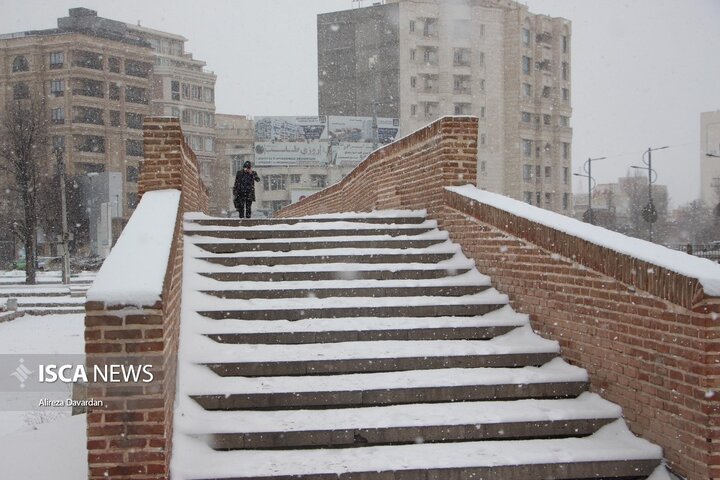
x=649, y=212
x=589, y=215
x=63, y=209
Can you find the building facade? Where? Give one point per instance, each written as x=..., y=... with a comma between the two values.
x=710, y=158
x=421, y=59
x=235, y=141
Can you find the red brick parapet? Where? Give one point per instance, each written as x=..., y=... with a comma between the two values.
x=648, y=336
x=130, y=436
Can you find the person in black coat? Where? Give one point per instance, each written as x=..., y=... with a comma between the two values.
x=244, y=189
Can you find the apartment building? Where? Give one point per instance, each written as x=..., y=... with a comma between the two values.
x=710, y=158
x=183, y=88
x=421, y=59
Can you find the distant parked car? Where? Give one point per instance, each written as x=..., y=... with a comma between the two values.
x=42, y=263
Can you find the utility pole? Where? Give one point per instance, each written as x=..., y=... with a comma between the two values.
x=589, y=215
x=63, y=208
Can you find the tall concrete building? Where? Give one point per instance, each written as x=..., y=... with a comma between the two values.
x=421, y=59
x=235, y=142
x=183, y=88
x=710, y=164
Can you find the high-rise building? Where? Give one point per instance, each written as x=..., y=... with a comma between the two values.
x=710, y=158
x=421, y=59
x=183, y=88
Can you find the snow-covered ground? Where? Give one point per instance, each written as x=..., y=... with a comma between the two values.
x=54, y=441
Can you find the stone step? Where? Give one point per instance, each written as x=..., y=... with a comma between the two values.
x=345, y=312
x=293, y=276
x=405, y=424
x=363, y=437
x=321, y=245
x=251, y=222
x=349, y=291
x=394, y=258
x=251, y=234
x=373, y=365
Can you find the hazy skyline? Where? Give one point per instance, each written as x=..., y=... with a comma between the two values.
x=642, y=70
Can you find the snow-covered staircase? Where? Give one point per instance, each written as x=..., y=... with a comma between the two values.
x=367, y=346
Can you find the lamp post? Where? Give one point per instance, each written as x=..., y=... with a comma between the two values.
x=589, y=215
x=649, y=212
x=63, y=209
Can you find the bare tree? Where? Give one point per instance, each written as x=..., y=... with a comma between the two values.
x=23, y=146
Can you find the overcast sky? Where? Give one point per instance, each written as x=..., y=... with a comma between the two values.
x=642, y=70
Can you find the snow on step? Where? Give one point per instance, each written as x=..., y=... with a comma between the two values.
x=429, y=235
x=194, y=228
x=610, y=443
x=191, y=216
x=587, y=405
x=199, y=380
x=520, y=340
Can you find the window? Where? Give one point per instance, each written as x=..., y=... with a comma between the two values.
x=208, y=94
x=430, y=27
x=538, y=197
x=412, y=54
x=526, y=37
x=564, y=45
x=274, y=182
x=136, y=95
x=544, y=65
x=537, y=171
x=413, y=82
x=482, y=112
x=430, y=56
x=566, y=175
x=132, y=173
x=429, y=109
x=21, y=91
x=175, y=112
x=564, y=121
x=134, y=148
x=527, y=90
x=566, y=150
x=548, y=199
x=114, y=92
x=86, y=59
x=57, y=60
x=412, y=26
x=186, y=90
x=546, y=91
x=527, y=147
x=20, y=64
x=137, y=69
x=481, y=31
x=58, y=143
x=196, y=92
x=565, y=70
x=527, y=173
x=483, y=139
x=482, y=58
x=413, y=110
x=526, y=117
x=461, y=84
x=93, y=116
x=114, y=118
x=565, y=94
x=88, y=88
x=132, y=200
x=547, y=119
x=57, y=115
x=528, y=197
x=318, y=181
x=482, y=84
x=196, y=143
x=461, y=56
x=134, y=120
x=209, y=144
x=89, y=143
x=526, y=62
x=209, y=119
x=462, y=108
x=483, y=166
x=114, y=64
x=87, y=167
x=175, y=90
x=57, y=88
x=430, y=83
x=565, y=201
x=295, y=178
x=548, y=172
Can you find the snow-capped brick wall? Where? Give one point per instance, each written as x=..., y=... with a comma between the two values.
x=410, y=173
x=648, y=336
x=130, y=435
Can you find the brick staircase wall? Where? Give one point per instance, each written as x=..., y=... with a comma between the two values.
x=130, y=436
x=648, y=336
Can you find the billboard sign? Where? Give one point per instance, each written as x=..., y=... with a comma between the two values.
x=291, y=140
x=351, y=138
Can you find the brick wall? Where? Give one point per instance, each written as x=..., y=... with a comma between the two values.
x=130, y=437
x=407, y=174
x=647, y=336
